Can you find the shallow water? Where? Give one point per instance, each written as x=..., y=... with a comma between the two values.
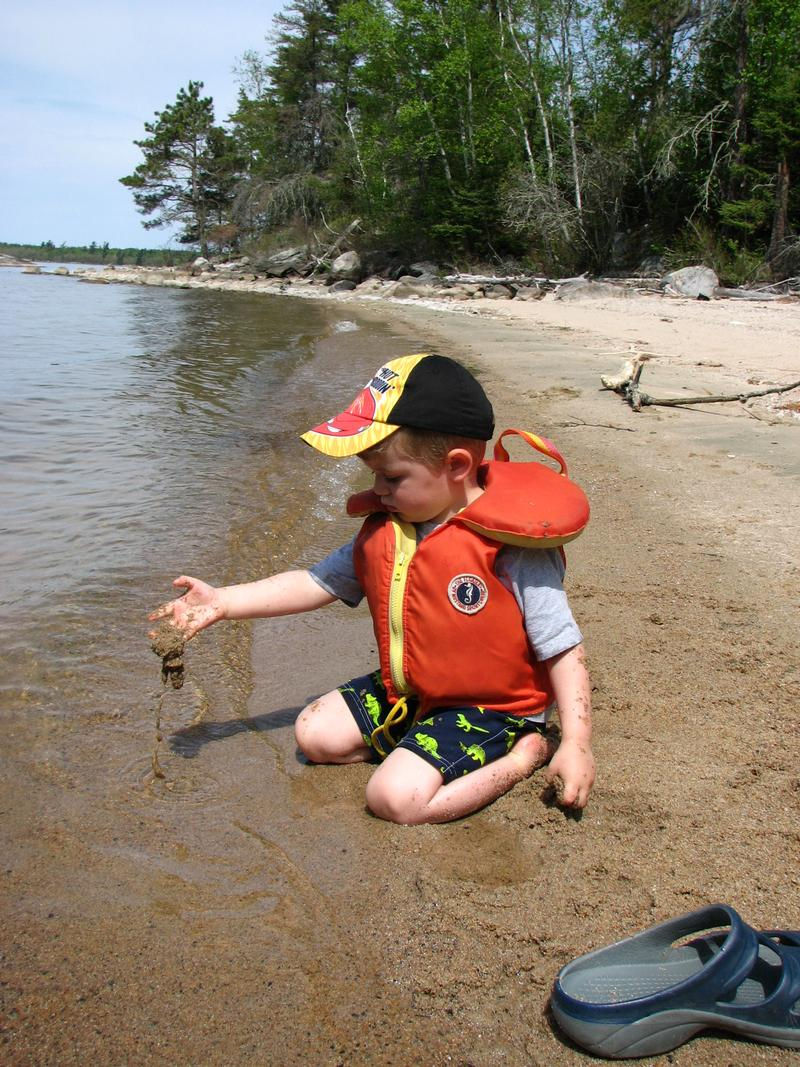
x=146, y=433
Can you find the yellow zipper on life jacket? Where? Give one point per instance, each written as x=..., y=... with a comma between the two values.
x=405, y=545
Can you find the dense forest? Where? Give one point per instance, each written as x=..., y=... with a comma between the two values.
x=566, y=135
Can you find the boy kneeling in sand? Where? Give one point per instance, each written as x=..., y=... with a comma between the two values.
x=458, y=562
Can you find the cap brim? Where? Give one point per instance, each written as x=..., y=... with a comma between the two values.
x=347, y=435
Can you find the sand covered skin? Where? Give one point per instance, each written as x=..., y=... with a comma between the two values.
x=317, y=934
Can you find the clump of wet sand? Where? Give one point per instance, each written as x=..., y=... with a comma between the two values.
x=168, y=643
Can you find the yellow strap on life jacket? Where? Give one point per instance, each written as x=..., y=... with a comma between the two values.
x=397, y=714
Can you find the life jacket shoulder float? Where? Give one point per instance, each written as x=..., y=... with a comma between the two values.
x=448, y=629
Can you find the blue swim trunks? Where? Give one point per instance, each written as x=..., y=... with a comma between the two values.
x=454, y=740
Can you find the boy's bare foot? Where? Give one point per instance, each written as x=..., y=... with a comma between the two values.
x=531, y=751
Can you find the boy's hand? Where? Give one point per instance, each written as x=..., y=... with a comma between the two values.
x=199, y=607
x=574, y=764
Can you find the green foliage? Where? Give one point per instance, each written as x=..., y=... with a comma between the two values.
x=747, y=216
x=466, y=129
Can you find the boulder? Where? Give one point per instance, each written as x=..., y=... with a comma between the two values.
x=32, y=270
x=530, y=292
x=371, y=285
x=696, y=282
x=344, y=285
x=290, y=260
x=201, y=265
x=235, y=265
x=456, y=292
x=347, y=267
x=499, y=291
x=424, y=269
x=408, y=288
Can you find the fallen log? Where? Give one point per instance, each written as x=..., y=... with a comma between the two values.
x=626, y=383
x=677, y=401
x=744, y=294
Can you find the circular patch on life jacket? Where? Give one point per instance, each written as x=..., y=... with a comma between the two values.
x=468, y=593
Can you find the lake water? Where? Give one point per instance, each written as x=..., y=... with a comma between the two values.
x=145, y=433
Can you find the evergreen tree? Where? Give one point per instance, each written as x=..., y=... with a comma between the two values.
x=188, y=168
x=289, y=118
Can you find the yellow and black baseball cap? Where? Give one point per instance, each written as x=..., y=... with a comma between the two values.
x=423, y=391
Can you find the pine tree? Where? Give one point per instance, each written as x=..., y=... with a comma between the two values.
x=188, y=168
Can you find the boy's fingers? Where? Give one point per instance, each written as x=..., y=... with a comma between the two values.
x=162, y=612
x=580, y=798
x=570, y=796
x=183, y=582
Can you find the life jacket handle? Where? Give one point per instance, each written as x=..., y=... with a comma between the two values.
x=541, y=444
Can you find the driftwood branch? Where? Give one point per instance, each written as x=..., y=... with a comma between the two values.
x=320, y=262
x=626, y=383
x=340, y=239
x=673, y=402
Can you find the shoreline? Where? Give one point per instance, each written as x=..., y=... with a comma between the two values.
x=739, y=343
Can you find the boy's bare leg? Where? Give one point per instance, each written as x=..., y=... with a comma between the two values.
x=326, y=732
x=409, y=790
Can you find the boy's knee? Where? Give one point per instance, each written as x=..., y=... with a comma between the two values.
x=326, y=731
x=392, y=804
x=307, y=731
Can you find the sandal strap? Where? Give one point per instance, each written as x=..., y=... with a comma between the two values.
x=721, y=976
x=776, y=1009
x=788, y=938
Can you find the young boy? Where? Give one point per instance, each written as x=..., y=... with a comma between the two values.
x=476, y=639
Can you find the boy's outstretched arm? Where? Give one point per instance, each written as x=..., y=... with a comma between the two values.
x=201, y=605
x=573, y=762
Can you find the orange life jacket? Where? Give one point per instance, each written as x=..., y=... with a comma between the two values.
x=448, y=630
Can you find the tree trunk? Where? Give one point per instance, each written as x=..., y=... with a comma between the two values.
x=735, y=185
x=439, y=144
x=780, y=220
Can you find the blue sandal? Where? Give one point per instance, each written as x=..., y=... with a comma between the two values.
x=646, y=995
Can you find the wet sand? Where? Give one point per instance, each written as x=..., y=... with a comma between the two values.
x=314, y=933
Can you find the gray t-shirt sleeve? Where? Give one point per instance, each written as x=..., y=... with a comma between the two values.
x=337, y=575
x=535, y=577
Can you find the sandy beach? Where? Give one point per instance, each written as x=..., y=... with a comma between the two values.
x=439, y=944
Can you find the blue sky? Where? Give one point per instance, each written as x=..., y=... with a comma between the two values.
x=77, y=83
